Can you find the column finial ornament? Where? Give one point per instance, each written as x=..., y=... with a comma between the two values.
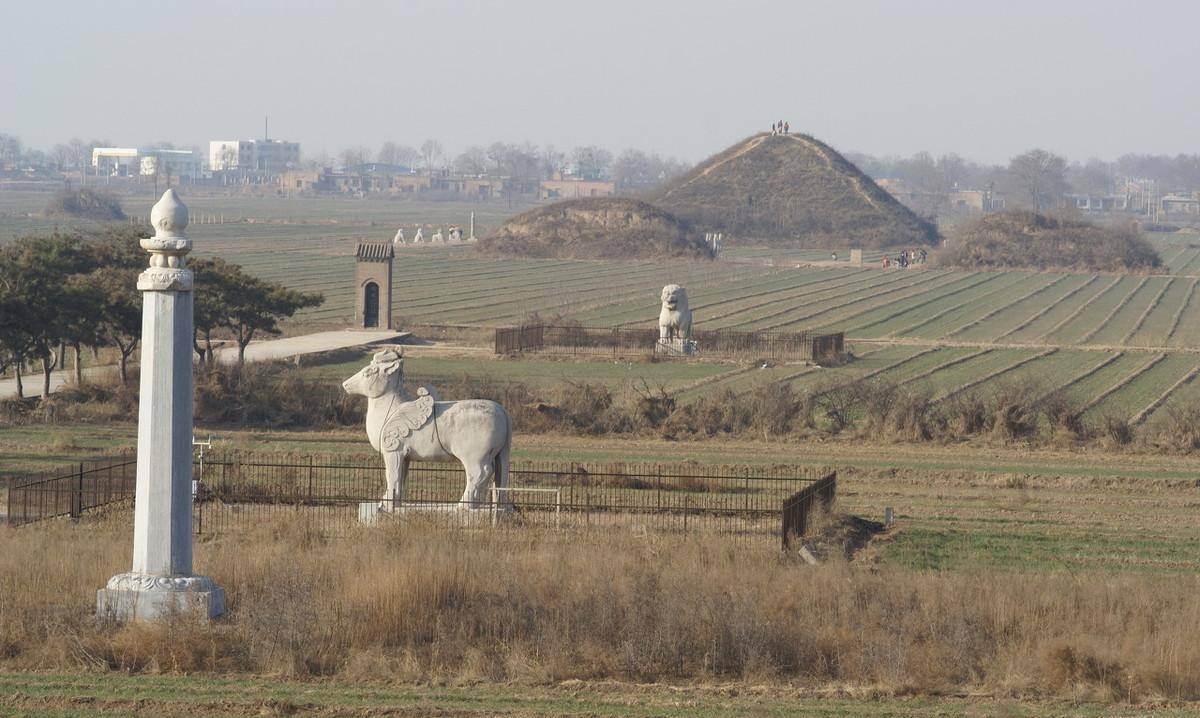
x=168, y=247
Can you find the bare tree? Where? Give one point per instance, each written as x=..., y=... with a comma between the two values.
x=62, y=156
x=354, y=156
x=10, y=149
x=431, y=153
x=1094, y=177
x=473, y=161
x=1041, y=174
x=392, y=153
x=552, y=161
x=591, y=162
x=317, y=161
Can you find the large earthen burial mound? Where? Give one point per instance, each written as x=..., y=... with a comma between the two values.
x=791, y=190
x=595, y=228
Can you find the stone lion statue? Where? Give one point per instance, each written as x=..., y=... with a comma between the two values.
x=675, y=319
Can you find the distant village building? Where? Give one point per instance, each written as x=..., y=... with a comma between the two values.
x=300, y=180
x=975, y=200
x=143, y=162
x=1180, y=204
x=954, y=201
x=1099, y=203
x=269, y=156
x=568, y=188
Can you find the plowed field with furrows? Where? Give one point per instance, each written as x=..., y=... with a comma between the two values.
x=1132, y=385
x=451, y=285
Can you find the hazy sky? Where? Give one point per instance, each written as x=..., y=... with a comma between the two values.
x=681, y=77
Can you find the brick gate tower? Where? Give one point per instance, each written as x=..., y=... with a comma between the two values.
x=373, y=300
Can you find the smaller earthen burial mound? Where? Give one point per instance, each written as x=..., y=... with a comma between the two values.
x=596, y=228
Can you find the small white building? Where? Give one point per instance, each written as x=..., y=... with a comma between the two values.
x=145, y=162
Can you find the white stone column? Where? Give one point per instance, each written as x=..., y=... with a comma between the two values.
x=161, y=581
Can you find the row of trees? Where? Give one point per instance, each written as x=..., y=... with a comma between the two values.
x=75, y=154
x=631, y=169
x=70, y=290
x=1036, y=178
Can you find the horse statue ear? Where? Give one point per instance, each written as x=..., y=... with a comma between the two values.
x=386, y=356
x=392, y=366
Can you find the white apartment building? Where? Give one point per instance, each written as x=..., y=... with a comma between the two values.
x=253, y=155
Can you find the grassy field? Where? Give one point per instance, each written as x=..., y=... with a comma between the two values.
x=52, y=694
x=959, y=507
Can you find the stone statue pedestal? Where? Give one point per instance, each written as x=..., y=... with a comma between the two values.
x=372, y=513
x=675, y=347
x=142, y=597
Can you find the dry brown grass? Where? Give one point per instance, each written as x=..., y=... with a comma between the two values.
x=430, y=605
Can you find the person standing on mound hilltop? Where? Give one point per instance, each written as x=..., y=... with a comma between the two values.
x=786, y=128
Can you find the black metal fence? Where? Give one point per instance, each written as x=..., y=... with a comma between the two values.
x=798, y=507
x=235, y=492
x=72, y=490
x=239, y=491
x=635, y=342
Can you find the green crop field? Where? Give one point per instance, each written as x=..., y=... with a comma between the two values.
x=308, y=244
x=109, y=694
x=964, y=329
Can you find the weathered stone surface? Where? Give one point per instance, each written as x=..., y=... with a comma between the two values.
x=675, y=317
x=161, y=581
x=373, y=513
x=138, y=596
x=476, y=432
x=156, y=279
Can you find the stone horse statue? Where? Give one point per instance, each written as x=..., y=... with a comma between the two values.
x=477, y=432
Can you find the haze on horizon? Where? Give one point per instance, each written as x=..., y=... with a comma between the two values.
x=685, y=79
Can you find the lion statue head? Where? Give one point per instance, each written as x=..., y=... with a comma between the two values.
x=674, y=298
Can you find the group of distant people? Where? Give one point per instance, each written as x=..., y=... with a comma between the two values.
x=780, y=128
x=905, y=258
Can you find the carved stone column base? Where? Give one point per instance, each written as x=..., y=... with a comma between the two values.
x=142, y=597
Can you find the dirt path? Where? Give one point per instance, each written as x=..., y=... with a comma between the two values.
x=256, y=352
x=750, y=144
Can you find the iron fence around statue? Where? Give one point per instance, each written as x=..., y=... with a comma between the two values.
x=236, y=492
x=72, y=490
x=241, y=491
x=633, y=342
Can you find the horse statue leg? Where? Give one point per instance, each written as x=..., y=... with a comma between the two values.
x=479, y=475
x=395, y=466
